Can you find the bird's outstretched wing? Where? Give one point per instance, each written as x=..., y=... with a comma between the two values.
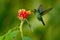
x=40, y=9
x=45, y=11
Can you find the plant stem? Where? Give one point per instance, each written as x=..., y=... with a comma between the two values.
x=21, y=28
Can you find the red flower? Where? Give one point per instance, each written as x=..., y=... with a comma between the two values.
x=23, y=14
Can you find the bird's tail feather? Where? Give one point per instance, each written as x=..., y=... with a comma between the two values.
x=42, y=22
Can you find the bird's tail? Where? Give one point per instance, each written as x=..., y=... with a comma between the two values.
x=42, y=22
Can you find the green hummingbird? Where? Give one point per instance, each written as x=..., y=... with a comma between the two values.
x=40, y=12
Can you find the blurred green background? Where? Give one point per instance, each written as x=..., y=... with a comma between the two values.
x=9, y=23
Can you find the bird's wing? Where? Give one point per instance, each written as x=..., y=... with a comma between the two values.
x=45, y=11
x=40, y=9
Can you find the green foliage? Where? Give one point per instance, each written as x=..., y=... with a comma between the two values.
x=26, y=38
x=11, y=35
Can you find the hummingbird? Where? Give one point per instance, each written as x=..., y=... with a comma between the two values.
x=40, y=12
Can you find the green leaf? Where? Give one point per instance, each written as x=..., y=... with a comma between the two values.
x=11, y=35
x=26, y=38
